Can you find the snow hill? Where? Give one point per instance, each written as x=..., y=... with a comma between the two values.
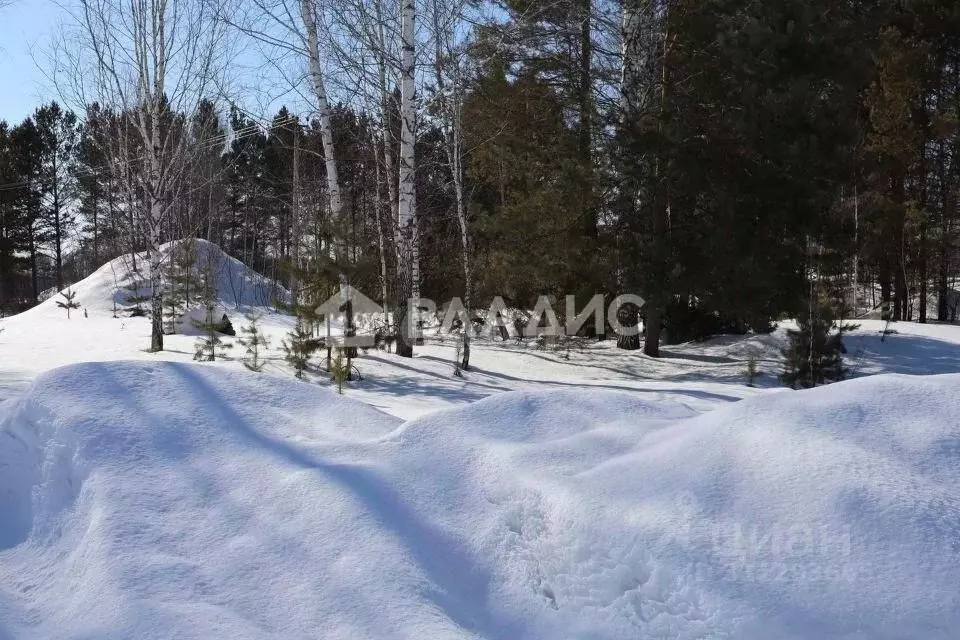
x=161, y=499
x=238, y=286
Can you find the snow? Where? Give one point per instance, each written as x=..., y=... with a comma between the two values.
x=158, y=500
x=598, y=494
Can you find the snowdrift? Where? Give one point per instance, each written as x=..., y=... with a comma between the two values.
x=165, y=500
x=238, y=286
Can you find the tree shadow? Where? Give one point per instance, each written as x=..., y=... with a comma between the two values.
x=456, y=580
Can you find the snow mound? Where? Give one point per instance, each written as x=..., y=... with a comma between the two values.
x=174, y=500
x=121, y=279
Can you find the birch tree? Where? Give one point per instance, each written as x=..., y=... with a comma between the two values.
x=446, y=23
x=367, y=54
x=294, y=27
x=408, y=256
x=153, y=59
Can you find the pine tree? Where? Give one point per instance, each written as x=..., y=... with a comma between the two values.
x=457, y=353
x=207, y=345
x=299, y=347
x=172, y=309
x=253, y=340
x=59, y=135
x=68, y=302
x=182, y=287
x=814, y=356
x=751, y=372
x=340, y=369
x=134, y=298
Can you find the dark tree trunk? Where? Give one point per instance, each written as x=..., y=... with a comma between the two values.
x=33, y=270
x=899, y=296
x=57, y=231
x=628, y=315
x=585, y=134
x=652, y=327
x=404, y=347
x=885, y=290
x=465, y=356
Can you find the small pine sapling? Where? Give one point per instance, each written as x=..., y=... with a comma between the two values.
x=340, y=369
x=253, y=340
x=814, y=355
x=457, y=355
x=184, y=286
x=752, y=372
x=172, y=304
x=298, y=347
x=207, y=345
x=135, y=297
x=68, y=301
x=182, y=277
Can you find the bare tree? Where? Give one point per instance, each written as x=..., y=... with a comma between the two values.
x=408, y=256
x=447, y=24
x=294, y=28
x=155, y=60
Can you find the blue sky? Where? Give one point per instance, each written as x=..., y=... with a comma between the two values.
x=25, y=29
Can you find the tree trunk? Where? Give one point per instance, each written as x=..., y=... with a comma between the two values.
x=307, y=11
x=652, y=328
x=382, y=243
x=585, y=134
x=155, y=186
x=451, y=126
x=628, y=315
x=408, y=258
x=295, y=219
x=656, y=306
x=33, y=269
x=57, y=230
x=885, y=287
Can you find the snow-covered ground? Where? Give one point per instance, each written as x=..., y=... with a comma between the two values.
x=599, y=495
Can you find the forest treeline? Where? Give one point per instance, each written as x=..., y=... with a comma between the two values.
x=731, y=161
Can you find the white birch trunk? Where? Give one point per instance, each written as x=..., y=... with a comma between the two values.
x=381, y=241
x=446, y=60
x=308, y=13
x=408, y=264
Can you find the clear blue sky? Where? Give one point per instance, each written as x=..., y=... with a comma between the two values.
x=25, y=30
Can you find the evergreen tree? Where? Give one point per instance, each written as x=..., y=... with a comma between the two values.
x=136, y=294
x=207, y=346
x=253, y=340
x=59, y=135
x=97, y=204
x=814, y=356
x=68, y=302
x=752, y=372
x=30, y=234
x=299, y=346
x=182, y=283
x=340, y=369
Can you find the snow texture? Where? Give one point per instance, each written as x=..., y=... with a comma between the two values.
x=158, y=500
x=582, y=494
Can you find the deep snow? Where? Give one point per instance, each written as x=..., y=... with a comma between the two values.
x=158, y=500
x=599, y=494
